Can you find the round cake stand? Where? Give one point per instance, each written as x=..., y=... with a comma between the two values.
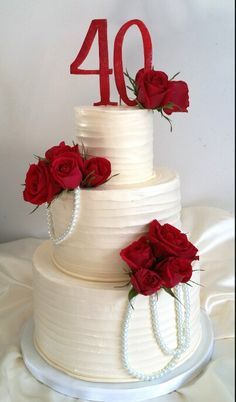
x=116, y=392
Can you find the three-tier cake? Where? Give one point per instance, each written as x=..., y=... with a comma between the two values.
x=84, y=323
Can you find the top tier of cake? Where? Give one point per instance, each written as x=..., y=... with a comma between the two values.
x=124, y=135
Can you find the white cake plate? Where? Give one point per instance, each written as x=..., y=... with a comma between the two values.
x=116, y=392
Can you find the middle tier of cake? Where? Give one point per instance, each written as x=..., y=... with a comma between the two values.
x=110, y=219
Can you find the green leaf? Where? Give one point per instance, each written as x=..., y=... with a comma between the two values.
x=171, y=293
x=37, y=206
x=88, y=178
x=194, y=270
x=84, y=151
x=109, y=178
x=131, y=89
x=40, y=158
x=169, y=105
x=175, y=76
x=167, y=118
x=132, y=82
x=131, y=295
x=140, y=104
x=188, y=284
x=199, y=284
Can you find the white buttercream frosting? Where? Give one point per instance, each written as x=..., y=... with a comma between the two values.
x=124, y=135
x=109, y=219
x=78, y=324
x=78, y=313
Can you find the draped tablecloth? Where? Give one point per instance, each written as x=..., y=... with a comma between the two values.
x=211, y=230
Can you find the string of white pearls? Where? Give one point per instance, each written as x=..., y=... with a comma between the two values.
x=72, y=224
x=183, y=334
x=182, y=314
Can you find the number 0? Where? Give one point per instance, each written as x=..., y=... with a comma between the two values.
x=118, y=59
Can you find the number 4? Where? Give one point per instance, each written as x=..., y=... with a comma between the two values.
x=104, y=70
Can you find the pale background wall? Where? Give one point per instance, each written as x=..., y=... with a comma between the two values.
x=38, y=42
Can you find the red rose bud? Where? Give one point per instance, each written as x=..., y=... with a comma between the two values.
x=177, y=97
x=96, y=171
x=66, y=170
x=152, y=88
x=174, y=270
x=39, y=185
x=138, y=254
x=168, y=241
x=146, y=281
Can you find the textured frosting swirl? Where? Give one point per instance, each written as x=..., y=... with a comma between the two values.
x=124, y=135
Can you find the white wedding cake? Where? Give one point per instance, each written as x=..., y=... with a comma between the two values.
x=84, y=323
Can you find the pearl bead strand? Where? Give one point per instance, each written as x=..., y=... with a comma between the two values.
x=73, y=222
x=183, y=335
x=182, y=309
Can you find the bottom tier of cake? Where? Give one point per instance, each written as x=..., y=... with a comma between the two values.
x=78, y=325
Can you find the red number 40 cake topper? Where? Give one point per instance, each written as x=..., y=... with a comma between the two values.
x=100, y=26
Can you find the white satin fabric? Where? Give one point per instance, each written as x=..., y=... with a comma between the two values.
x=212, y=230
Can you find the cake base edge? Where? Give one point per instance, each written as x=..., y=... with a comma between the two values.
x=117, y=392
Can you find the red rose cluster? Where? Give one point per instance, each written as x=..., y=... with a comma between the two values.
x=155, y=91
x=161, y=259
x=63, y=168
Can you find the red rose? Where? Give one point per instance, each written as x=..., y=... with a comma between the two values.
x=60, y=149
x=152, y=87
x=66, y=170
x=96, y=171
x=178, y=95
x=146, y=281
x=39, y=185
x=138, y=254
x=168, y=241
x=174, y=270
